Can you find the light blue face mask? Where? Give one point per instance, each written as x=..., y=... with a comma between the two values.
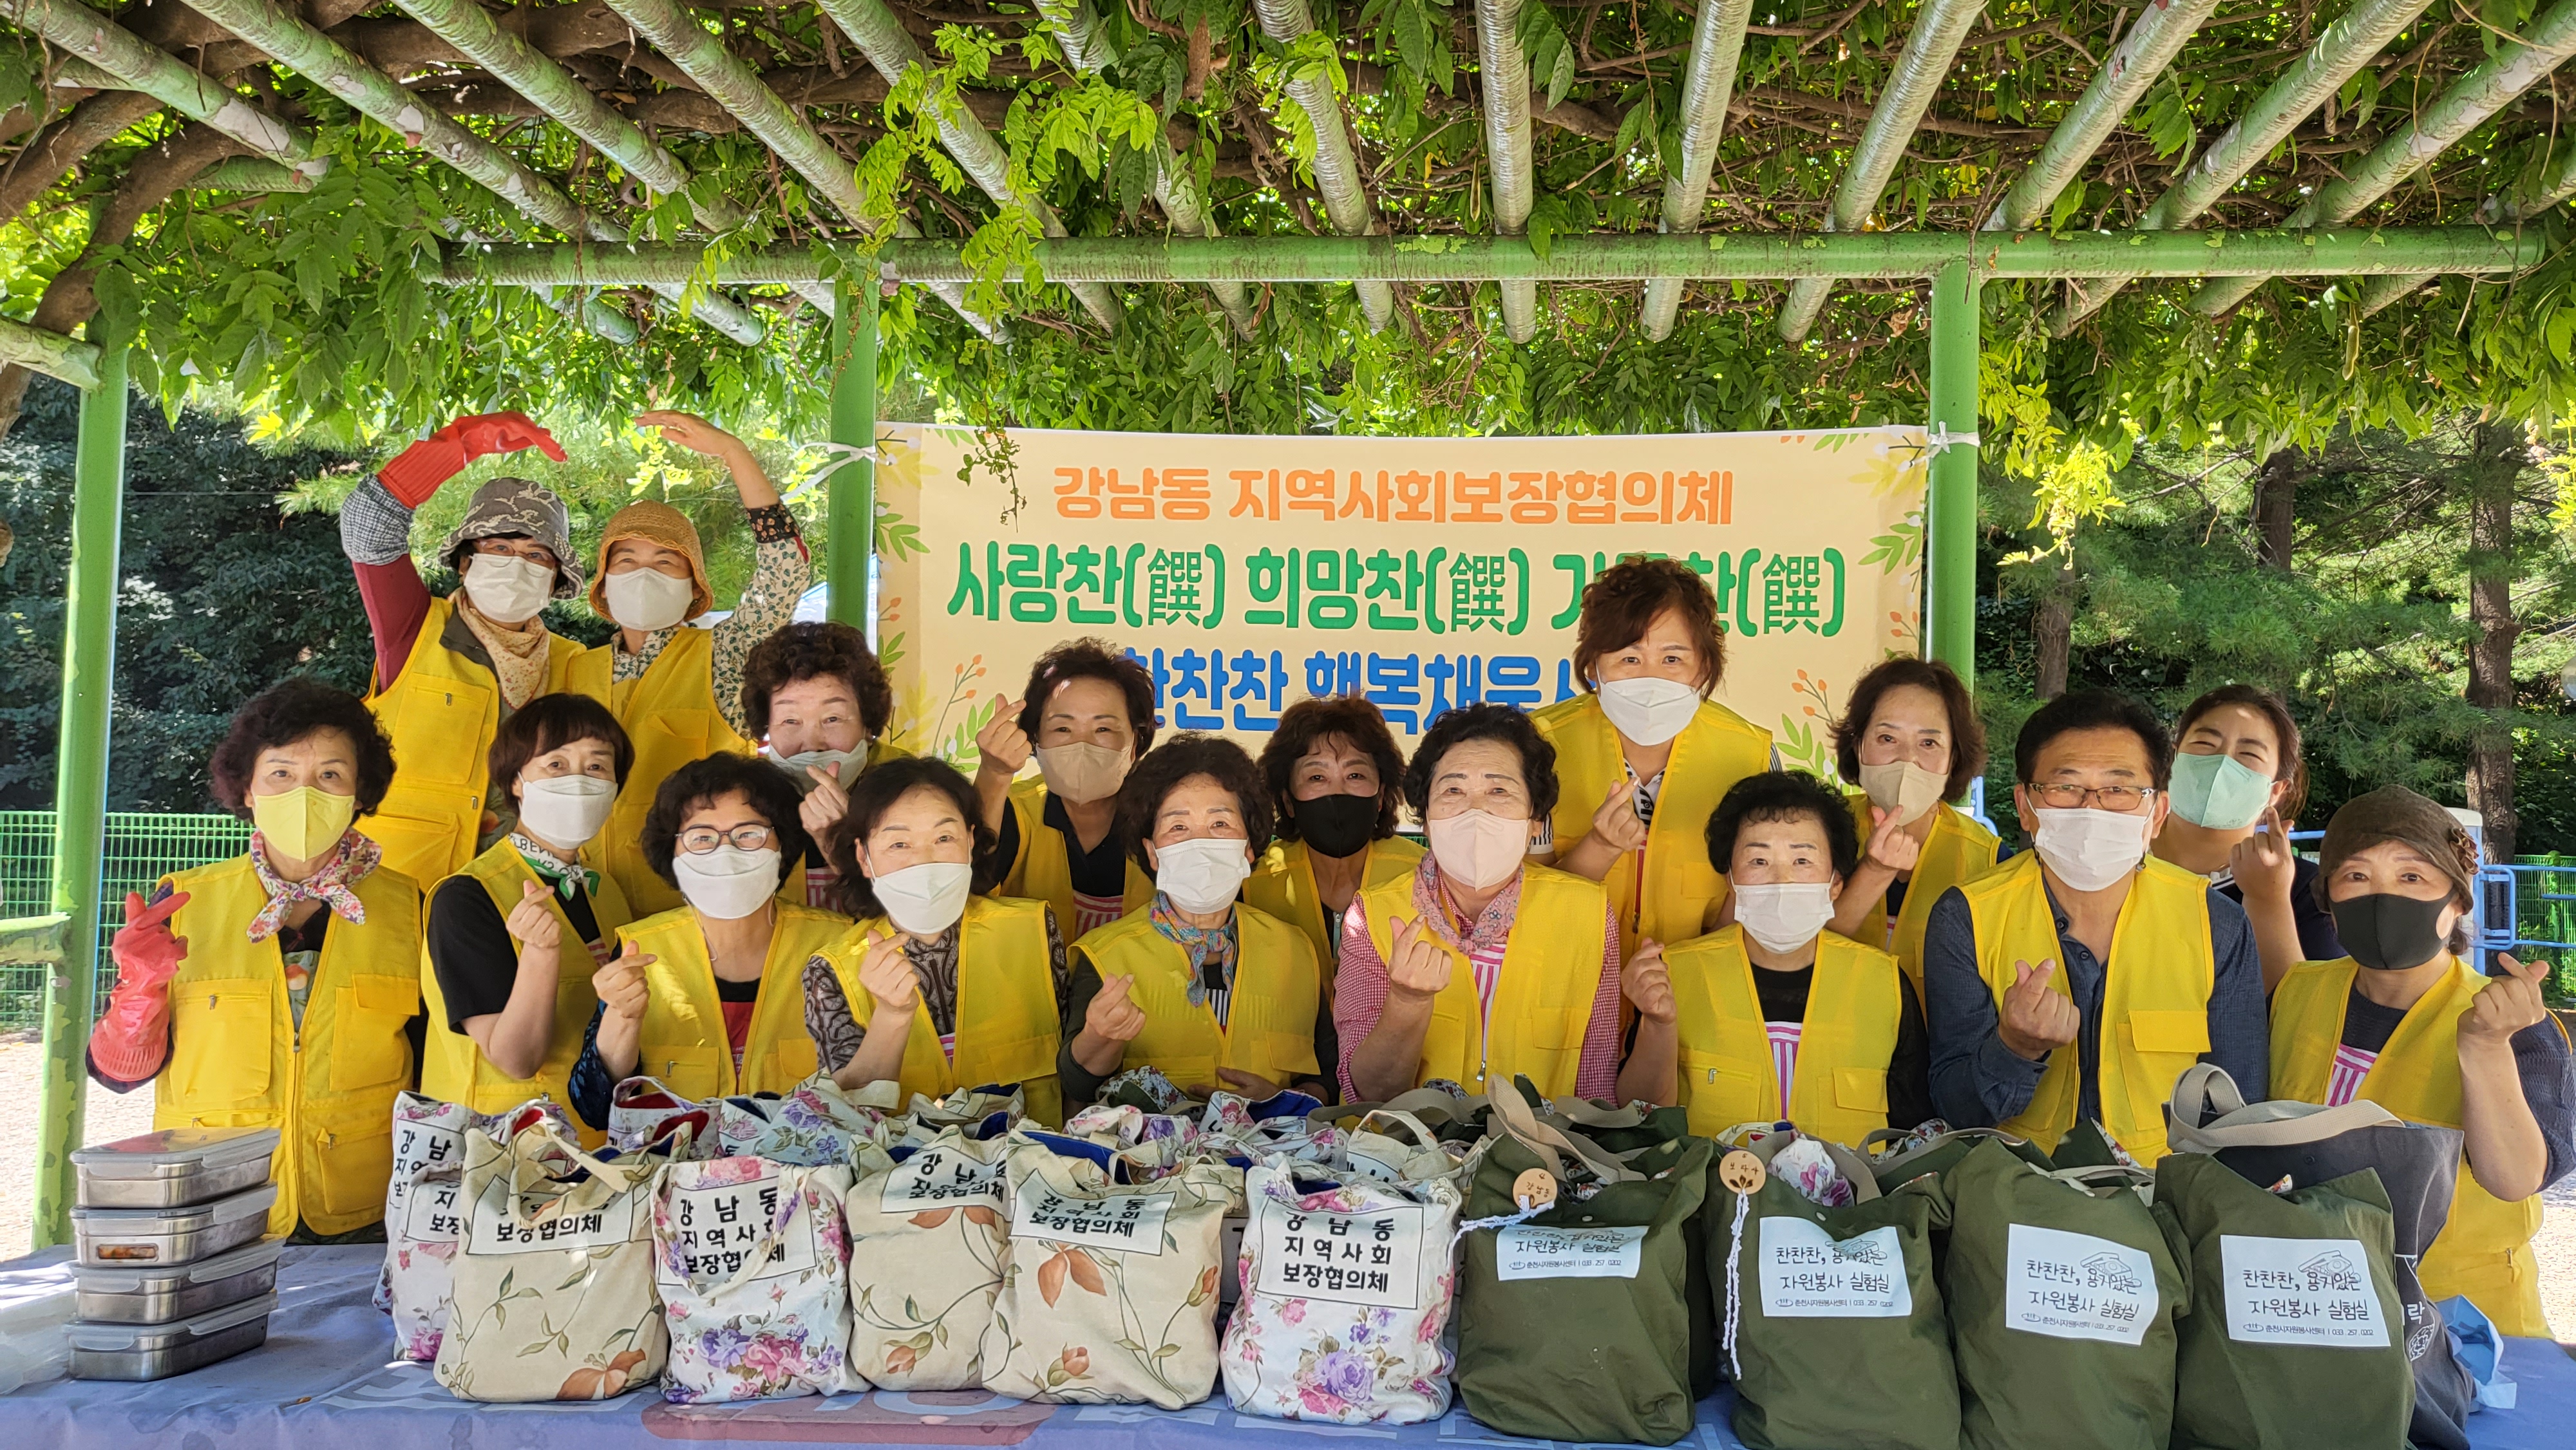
x=851, y=763
x=2219, y=792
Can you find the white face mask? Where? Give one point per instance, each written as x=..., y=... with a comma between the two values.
x=566, y=810
x=1902, y=789
x=1784, y=915
x=2091, y=850
x=1478, y=848
x=727, y=883
x=850, y=761
x=1083, y=772
x=648, y=599
x=507, y=589
x=1202, y=875
x=927, y=899
x=1649, y=711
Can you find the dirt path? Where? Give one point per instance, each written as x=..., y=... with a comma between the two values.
x=108, y=1118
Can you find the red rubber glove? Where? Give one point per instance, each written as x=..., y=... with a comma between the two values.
x=132, y=1041
x=416, y=472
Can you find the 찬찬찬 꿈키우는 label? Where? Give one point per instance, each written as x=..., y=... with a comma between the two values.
x=2075, y=1286
x=1524, y=1251
x=2300, y=1291
x=1371, y=1258
x=1807, y=1273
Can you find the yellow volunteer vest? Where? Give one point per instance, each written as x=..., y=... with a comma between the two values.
x=682, y=1039
x=792, y=889
x=1713, y=752
x=1040, y=870
x=1007, y=1016
x=1270, y=1023
x=1282, y=884
x=237, y=1060
x=455, y=1070
x=2484, y=1250
x=1839, y=1091
x=670, y=714
x=441, y=713
x=2155, y=999
x=1542, y=999
x=1957, y=852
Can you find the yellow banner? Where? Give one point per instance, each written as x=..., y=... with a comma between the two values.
x=1251, y=572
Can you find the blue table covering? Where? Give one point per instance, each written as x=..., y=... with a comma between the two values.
x=325, y=1381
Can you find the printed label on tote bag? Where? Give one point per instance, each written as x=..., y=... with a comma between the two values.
x=1370, y=1258
x=492, y=1229
x=2300, y=1291
x=1524, y=1252
x=2075, y=1286
x=418, y=1146
x=718, y=1229
x=431, y=1215
x=1807, y=1273
x=941, y=1177
x=1130, y=1223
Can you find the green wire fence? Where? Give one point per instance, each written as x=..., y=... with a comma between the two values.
x=141, y=849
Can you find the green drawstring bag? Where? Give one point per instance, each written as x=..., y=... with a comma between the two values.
x=1574, y=1322
x=2300, y=1335
x=1834, y=1330
x=2063, y=1291
x=1894, y=1165
x=1623, y=1132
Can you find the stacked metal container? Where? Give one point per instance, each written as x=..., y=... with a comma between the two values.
x=173, y=1271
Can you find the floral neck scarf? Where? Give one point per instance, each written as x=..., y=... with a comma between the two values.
x=347, y=865
x=1491, y=926
x=1211, y=949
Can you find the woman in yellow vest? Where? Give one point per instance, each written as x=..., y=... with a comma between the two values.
x=1087, y=715
x=1208, y=992
x=709, y=997
x=513, y=938
x=282, y=988
x=2239, y=781
x=1775, y=1017
x=1481, y=965
x=1645, y=744
x=2405, y=1023
x=940, y=986
x=1335, y=782
x=816, y=699
x=449, y=670
x=1910, y=739
x=677, y=690
x=2075, y=982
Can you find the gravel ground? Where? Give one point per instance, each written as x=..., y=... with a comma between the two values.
x=111, y=1116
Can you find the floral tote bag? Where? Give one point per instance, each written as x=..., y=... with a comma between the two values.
x=1348, y=1284
x=422, y=1219
x=751, y=1260
x=1109, y=1290
x=554, y=1291
x=927, y=1240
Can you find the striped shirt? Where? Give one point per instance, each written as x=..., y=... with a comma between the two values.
x=821, y=884
x=1784, y=1055
x=2351, y=1065
x=1090, y=913
x=1360, y=987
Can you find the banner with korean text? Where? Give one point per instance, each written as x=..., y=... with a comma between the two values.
x=1250, y=572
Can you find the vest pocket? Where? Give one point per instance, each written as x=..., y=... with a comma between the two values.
x=2185, y=1032
x=1444, y=1045
x=354, y=1158
x=367, y=1045
x=220, y=1029
x=2162, y=1046
x=1860, y=1090
x=691, y=1069
x=1007, y=1061
x=792, y=1061
x=1550, y=1050
x=440, y=725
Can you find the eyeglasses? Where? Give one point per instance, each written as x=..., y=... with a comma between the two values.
x=699, y=840
x=2060, y=795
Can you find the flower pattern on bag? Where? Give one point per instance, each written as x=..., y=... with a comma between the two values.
x=422, y=1215
x=751, y=1262
x=926, y=1247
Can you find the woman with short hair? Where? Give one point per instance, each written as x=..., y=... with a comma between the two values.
x=1336, y=783
x=1481, y=965
x=2239, y=780
x=1644, y=744
x=1910, y=741
x=281, y=988
x=708, y=997
x=1212, y=993
x=1087, y=715
x=817, y=700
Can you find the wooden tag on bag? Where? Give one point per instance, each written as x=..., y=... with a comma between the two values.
x=1742, y=1172
x=1534, y=1189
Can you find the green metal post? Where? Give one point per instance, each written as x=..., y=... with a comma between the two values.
x=1950, y=576
x=80, y=785
x=853, y=486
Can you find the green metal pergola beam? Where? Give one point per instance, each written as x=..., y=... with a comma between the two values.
x=1939, y=28
x=1613, y=257
x=50, y=353
x=2517, y=66
x=120, y=53
x=2346, y=46
x=1717, y=48
x=2139, y=59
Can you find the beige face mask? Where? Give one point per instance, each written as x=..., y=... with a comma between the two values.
x=1902, y=787
x=1082, y=772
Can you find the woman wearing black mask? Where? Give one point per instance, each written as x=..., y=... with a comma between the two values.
x=1336, y=780
x=2405, y=1023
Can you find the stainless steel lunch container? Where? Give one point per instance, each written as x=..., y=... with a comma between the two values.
x=166, y=1293
x=174, y=1167
x=111, y=1238
x=158, y=1351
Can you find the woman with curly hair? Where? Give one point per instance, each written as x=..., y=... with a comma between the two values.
x=940, y=985
x=817, y=700
x=1207, y=991
x=1335, y=781
x=1087, y=716
x=281, y=988
x=1643, y=755
x=731, y=960
x=1910, y=740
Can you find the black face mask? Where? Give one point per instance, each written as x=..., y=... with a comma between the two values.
x=2390, y=933
x=1336, y=825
